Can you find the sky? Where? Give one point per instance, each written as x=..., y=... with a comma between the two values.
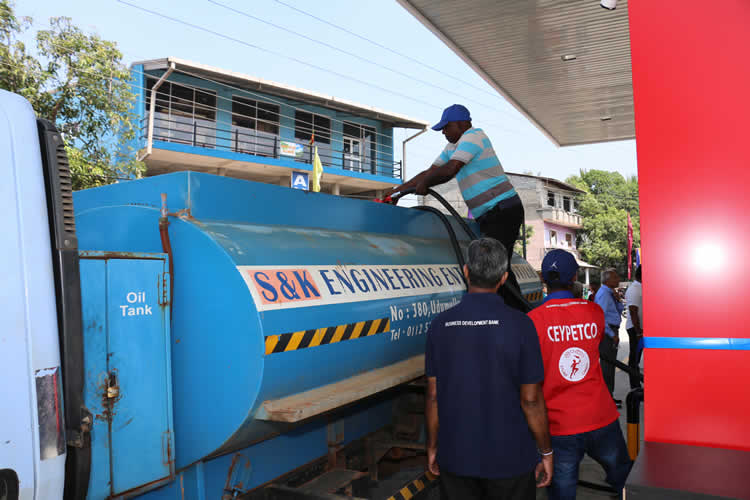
x=370, y=74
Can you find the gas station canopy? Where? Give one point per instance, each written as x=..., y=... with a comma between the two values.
x=564, y=65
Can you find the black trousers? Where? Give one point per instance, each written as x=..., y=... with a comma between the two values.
x=503, y=222
x=634, y=357
x=608, y=350
x=454, y=487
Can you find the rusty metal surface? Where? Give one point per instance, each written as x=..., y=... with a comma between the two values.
x=92, y=254
x=317, y=401
x=135, y=492
x=167, y=454
x=109, y=395
x=237, y=478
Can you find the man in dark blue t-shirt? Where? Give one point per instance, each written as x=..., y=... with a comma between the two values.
x=485, y=407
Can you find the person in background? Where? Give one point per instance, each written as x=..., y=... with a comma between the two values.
x=487, y=431
x=634, y=324
x=611, y=303
x=593, y=290
x=582, y=415
x=577, y=289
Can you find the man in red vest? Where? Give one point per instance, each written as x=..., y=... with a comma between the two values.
x=582, y=416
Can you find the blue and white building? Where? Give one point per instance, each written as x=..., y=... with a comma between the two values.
x=221, y=122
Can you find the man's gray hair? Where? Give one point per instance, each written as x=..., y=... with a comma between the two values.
x=488, y=261
x=607, y=273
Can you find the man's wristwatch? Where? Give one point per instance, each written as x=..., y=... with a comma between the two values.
x=546, y=453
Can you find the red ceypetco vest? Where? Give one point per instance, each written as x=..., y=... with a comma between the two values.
x=577, y=398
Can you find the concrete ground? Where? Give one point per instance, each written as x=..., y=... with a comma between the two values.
x=590, y=470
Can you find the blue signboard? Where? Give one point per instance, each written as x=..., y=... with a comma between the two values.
x=301, y=180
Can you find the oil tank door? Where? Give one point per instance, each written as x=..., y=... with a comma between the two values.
x=128, y=388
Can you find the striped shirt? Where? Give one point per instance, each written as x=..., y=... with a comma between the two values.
x=482, y=180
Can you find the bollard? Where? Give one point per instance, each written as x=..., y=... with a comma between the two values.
x=633, y=415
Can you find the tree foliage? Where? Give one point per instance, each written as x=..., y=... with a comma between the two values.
x=79, y=82
x=529, y=232
x=604, y=207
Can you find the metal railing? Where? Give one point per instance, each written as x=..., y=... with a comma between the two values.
x=549, y=247
x=561, y=216
x=209, y=134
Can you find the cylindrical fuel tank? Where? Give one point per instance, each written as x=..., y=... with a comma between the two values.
x=276, y=292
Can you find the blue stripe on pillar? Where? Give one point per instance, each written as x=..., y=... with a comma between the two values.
x=740, y=344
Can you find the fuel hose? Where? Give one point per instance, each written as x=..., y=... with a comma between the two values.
x=513, y=291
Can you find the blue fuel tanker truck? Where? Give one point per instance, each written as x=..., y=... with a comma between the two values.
x=190, y=336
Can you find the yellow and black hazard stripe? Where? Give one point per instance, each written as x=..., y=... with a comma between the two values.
x=303, y=339
x=534, y=297
x=415, y=487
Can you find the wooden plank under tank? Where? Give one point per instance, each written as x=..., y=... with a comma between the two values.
x=310, y=403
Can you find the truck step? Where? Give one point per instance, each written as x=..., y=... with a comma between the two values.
x=331, y=481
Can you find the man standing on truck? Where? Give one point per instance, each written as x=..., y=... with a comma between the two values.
x=485, y=413
x=489, y=194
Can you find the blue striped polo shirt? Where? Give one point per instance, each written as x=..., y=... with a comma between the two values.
x=482, y=179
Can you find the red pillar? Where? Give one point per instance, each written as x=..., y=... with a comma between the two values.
x=691, y=82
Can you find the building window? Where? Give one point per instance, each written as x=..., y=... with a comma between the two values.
x=255, y=126
x=256, y=115
x=566, y=203
x=162, y=96
x=205, y=105
x=183, y=114
x=307, y=124
x=268, y=118
x=553, y=238
x=183, y=100
x=178, y=100
x=569, y=240
x=243, y=112
x=360, y=147
x=550, y=199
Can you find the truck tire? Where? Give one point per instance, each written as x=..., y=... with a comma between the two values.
x=8, y=484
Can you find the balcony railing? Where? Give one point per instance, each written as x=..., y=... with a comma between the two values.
x=560, y=216
x=209, y=134
x=549, y=247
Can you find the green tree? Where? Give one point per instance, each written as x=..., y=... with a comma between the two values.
x=518, y=247
x=608, y=198
x=79, y=82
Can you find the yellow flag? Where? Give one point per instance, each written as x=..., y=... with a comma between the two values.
x=317, y=171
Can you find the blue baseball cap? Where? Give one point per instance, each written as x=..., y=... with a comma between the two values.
x=455, y=113
x=559, y=267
